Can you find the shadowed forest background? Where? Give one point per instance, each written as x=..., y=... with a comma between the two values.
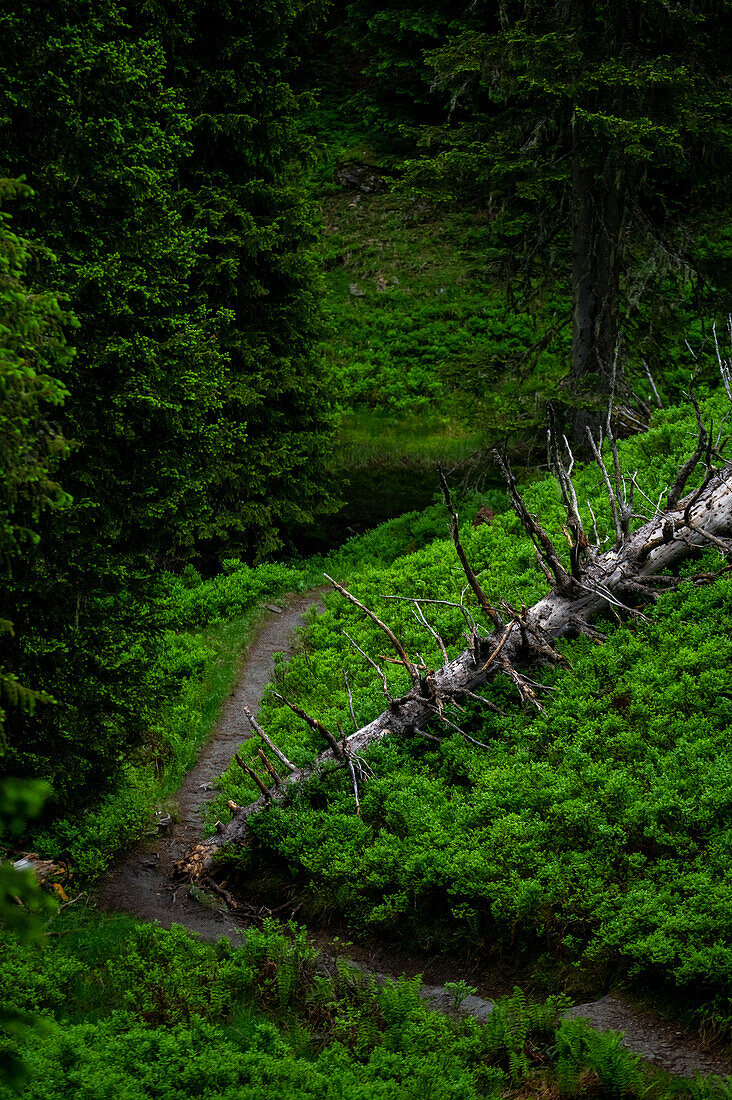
x=262, y=269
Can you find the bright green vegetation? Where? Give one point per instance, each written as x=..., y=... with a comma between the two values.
x=164, y=157
x=146, y=1014
x=209, y=623
x=553, y=175
x=427, y=337
x=427, y=357
x=423, y=310
x=597, y=832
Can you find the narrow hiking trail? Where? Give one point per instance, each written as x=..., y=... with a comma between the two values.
x=141, y=884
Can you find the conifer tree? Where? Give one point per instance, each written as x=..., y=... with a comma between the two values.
x=33, y=350
x=162, y=163
x=592, y=133
x=161, y=156
x=374, y=56
x=232, y=64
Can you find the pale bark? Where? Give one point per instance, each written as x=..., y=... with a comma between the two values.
x=619, y=580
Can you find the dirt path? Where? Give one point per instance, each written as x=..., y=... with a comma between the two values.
x=141, y=884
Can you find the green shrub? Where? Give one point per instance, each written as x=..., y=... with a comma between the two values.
x=599, y=829
x=148, y=1014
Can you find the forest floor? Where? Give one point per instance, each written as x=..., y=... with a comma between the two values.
x=142, y=883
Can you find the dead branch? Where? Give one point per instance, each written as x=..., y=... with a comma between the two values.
x=314, y=723
x=597, y=452
x=380, y=672
x=480, y=595
x=269, y=743
x=501, y=643
x=269, y=769
x=544, y=546
x=579, y=547
x=354, y=782
x=481, y=699
x=253, y=775
x=350, y=699
x=442, y=603
x=652, y=384
x=420, y=617
x=527, y=695
x=414, y=675
x=725, y=365
x=677, y=489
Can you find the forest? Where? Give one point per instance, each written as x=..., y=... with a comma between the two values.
x=366, y=529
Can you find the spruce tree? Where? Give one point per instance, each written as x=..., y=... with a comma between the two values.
x=162, y=159
x=33, y=351
x=232, y=65
x=592, y=133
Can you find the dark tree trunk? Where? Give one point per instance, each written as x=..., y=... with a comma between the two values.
x=597, y=215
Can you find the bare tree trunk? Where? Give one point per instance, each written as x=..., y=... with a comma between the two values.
x=619, y=580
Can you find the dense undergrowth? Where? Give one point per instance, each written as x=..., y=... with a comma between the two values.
x=210, y=623
x=412, y=309
x=137, y=1012
x=429, y=355
x=594, y=836
x=430, y=347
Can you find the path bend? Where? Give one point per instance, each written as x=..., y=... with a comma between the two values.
x=141, y=883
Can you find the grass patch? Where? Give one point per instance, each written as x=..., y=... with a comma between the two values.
x=367, y=436
x=421, y=333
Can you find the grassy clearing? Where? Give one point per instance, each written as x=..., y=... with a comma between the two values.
x=409, y=313
x=366, y=437
x=422, y=335
x=412, y=311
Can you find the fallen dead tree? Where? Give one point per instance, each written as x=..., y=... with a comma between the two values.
x=621, y=580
